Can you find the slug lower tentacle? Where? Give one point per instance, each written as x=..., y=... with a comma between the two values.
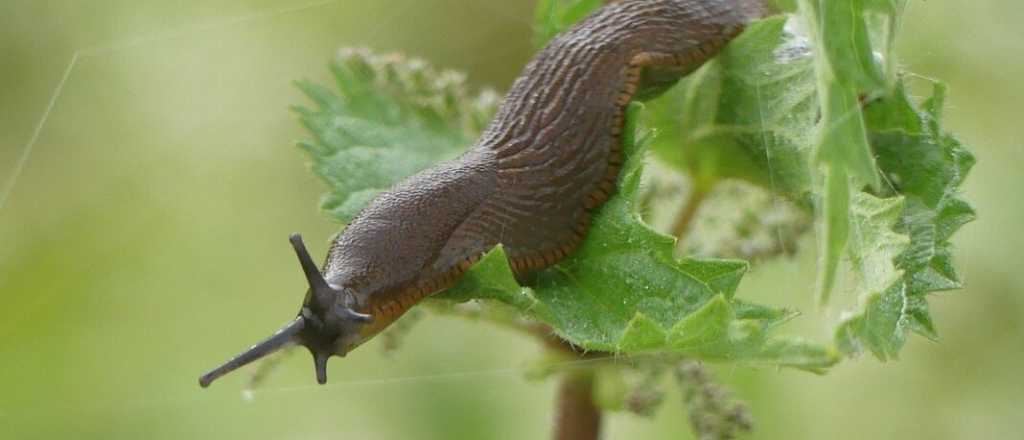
x=550, y=157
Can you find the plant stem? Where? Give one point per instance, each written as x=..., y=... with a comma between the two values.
x=577, y=417
x=689, y=211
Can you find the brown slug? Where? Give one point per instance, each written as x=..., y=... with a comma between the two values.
x=549, y=158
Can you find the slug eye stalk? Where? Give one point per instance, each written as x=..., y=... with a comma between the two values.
x=284, y=337
x=322, y=325
x=317, y=284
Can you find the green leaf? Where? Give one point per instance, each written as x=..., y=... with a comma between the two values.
x=393, y=117
x=892, y=237
x=873, y=249
x=770, y=73
x=623, y=291
x=926, y=166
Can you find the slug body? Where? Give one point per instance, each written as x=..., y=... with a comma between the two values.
x=550, y=157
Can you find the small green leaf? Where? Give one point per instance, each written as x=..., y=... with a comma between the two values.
x=873, y=248
x=926, y=166
x=393, y=117
x=492, y=279
x=903, y=254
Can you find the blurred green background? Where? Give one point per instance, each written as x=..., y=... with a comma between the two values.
x=144, y=240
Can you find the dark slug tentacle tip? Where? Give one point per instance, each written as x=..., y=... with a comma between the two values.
x=287, y=335
x=322, y=291
x=320, y=362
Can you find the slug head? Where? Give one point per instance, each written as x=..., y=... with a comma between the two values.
x=327, y=324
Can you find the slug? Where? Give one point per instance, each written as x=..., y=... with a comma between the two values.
x=550, y=157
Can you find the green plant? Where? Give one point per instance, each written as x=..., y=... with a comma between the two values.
x=818, y=123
